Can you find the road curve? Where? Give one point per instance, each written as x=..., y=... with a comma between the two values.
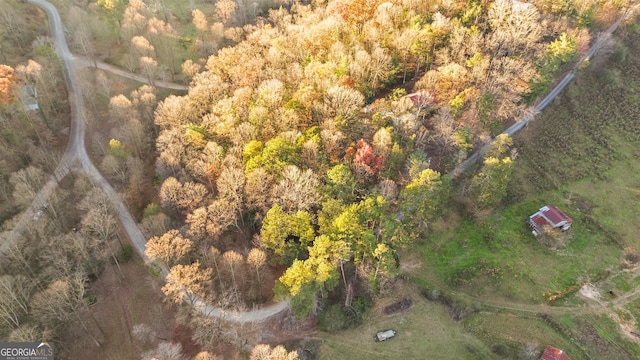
x=76, y=155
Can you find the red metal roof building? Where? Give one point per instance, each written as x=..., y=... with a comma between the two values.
x=551, y=353
x=550, y=215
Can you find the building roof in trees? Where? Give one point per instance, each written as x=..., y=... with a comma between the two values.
x=550, y=215
x=29, y=97
x=551, y=353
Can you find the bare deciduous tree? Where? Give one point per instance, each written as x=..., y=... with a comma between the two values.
x=165, y=351
x=225, y=10
x=342, y=104
x=202, y=26
x=389, y=190
x=212, y=220
x=54, y=306
x=170, y=248
x=382, y=143
x=199, y=20
x=149, y=67
x=333, y=142
x=207, y=331
x=233, y=260
x=187, y=282
x=155, y=225
x=266, y=352
x=220, y=215
x=28, y=332
x=26, y=183
x=297, y=190
x=205, y=355
x=120, y=109
x=98, y=219
x=114, y=168
x=14, y=299
x=190, y=68
x=257, y=258
x=257, y=190
x=181, y=197
x=82, y=39
x=142, y=46
x=103, y=225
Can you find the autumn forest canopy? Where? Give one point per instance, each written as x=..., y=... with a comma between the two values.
x=297, y=148
x=305, y=150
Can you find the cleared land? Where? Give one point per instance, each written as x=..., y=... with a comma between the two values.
x=424, y=329
x=580, y=154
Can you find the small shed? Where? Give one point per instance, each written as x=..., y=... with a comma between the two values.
x=29, y=97
x=551, y=353
x=552, y=216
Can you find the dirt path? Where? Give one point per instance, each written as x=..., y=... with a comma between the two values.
x=9, y=238
x=76, y=158
x=541, y=308
x=594, y=304
x=85, y=62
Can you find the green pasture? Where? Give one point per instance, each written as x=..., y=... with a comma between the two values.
x=499, y=257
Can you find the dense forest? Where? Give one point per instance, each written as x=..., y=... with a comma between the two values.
x=313, y=144
x=299, y=149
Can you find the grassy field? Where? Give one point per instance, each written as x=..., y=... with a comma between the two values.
x=505, y=333
x=581, y=154
x=498, y=256
x=427, y=331
x=424, y=331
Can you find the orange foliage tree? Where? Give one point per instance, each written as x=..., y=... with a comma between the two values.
x=355, y=12
x=7, y=82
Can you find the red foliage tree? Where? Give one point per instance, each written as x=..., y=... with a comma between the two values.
x=366, y=162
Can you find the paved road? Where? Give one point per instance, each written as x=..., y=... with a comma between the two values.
x=75, y=158
x=533, y=111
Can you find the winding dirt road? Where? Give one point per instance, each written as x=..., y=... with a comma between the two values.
x=76, y=159
x=85, y=62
